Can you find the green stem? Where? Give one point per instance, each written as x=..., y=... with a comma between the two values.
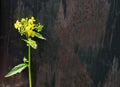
x=29, y=66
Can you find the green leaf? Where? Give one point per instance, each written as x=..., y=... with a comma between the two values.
x=17, y=69
x=32, y=43
x=39, y=36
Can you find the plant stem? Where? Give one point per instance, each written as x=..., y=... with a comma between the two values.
x=29, y=66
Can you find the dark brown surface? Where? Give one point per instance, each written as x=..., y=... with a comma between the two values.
x=82, y=47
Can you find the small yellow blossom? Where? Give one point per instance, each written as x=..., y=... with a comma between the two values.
x=30, y=33
x=33, y=18
x=23, y=19
x=30, y=21
x=27, y=28
x=17, y=25
x=31, y=26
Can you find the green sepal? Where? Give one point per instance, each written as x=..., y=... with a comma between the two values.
x=17, y=69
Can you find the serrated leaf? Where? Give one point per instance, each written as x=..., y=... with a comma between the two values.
x=39, y=36
x=17, y=69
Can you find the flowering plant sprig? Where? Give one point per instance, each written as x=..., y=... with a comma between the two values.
x=28, y=28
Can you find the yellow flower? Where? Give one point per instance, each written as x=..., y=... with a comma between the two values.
x=31, y=20
x=27, y=28
x=17, y=25
x=23, y=19
x=32, y=34
x=29, y=32
x=31, y=26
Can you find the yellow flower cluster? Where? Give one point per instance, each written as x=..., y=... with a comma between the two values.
x=26, y=26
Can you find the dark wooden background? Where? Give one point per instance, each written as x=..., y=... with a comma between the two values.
x=82, y=47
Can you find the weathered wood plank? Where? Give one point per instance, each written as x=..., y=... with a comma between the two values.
x=82, y=47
